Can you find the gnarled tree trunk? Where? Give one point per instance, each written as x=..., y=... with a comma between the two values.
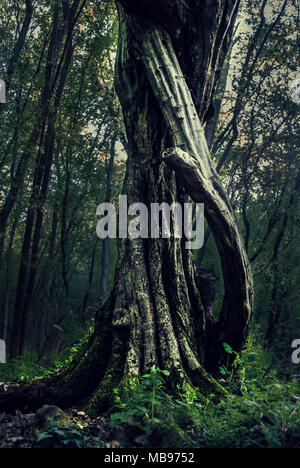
x=169, y=58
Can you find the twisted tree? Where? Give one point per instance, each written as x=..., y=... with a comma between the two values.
x=169, y=58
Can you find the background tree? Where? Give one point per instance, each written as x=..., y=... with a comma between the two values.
x=40, y=264
x=256, y=151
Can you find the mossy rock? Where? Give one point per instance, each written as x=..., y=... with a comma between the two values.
x=49, y=416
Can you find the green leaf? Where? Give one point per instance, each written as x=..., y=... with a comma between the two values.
x=148, y=382
x=228, y=348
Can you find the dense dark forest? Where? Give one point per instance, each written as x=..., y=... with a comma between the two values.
x=141, y=342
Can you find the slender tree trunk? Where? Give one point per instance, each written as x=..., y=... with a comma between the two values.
x=212, y=123
x=274, y=309
x=41, y=180
x=8, y=278
x=19, y=44
x=256, y=46
x=63, y=240
x=90, y=282
x=47, y=163
x=42, y=319
x=36, y=139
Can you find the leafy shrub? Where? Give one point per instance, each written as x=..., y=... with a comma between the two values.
x=260, y=411
x=158, y=414
x=268, y=418
x=23, y=369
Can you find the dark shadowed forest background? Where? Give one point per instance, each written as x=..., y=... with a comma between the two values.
x=63, y=151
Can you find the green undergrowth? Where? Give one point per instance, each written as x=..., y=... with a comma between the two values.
x=262, y=408
x=260, y=411
x=31, y=366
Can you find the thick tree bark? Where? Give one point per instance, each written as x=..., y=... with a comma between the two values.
x=106, y=242
x=170, y=54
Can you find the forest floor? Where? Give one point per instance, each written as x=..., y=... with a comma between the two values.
x=262, y=410
x=19, y=431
